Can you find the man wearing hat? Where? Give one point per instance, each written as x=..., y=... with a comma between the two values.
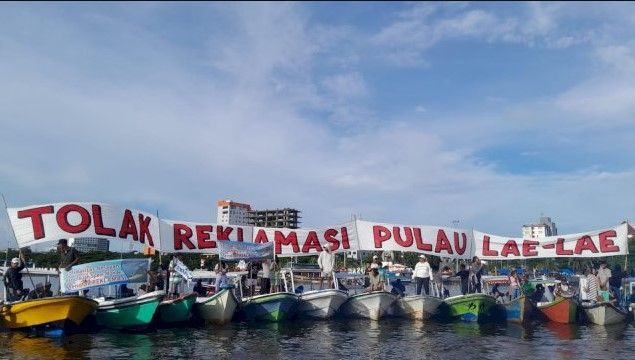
x=421, y=274
x=68, y=255
x=13, y=279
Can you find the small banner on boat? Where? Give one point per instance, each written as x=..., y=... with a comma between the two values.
x=102, y=273
x=299, y=242
x=51, y=222
x=598, y=243
x=199, y=238
x=178, y=266
x=236, y=251
x=431, y=240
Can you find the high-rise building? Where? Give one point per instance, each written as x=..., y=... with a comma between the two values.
x=232, y=213
x=89, y=244
x=277, y=218
x=545, y=227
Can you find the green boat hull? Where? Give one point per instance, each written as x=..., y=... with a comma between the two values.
x=177, y=311
x=471, y=307
x=271, y=307
x=130, y=316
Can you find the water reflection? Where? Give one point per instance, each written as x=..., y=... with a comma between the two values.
x=562, y=331
x=338, y=338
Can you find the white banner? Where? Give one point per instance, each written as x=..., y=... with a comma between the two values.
x=431, y=240
x=199, y=238
x=300, y=242
x=45, y=223
x=598, y=243
x=51, y=222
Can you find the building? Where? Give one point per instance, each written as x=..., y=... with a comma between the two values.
x=89, y=244
x=545, y=227
x=276, y=218
x=232, y=213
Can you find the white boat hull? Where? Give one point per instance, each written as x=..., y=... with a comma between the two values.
x=419, y=307
x=321, y=303
x=373, y=305
x=605, y=314
x=218, y=308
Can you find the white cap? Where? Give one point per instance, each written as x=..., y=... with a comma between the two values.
x=374, y=256
x=15, y=261
x=422, y=256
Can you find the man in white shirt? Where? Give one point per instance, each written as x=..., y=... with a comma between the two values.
x=265, y=285
x=326, y=261
x=421, y=274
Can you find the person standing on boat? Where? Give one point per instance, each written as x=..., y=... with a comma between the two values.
x=514, y=285
x=265, y=285
x=476, y=270
x=13, y=279
x=604, y=275
x=175, y=278
x=615, y=282
x=421, y=274
x=326, y=262
x=69, y=256
x=465, y=278
x=591, y=287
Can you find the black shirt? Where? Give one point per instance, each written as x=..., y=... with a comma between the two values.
x=463, y=274
x=616, y=278
x=13, y=277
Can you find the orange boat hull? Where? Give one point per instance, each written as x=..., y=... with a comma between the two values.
x=561, y=310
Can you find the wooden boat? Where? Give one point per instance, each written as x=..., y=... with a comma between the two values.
x=471, y=307
x=321, y=303
x=605, y=314
x=135, y=312
x=561, y=310
x=176, y=310
x=518, y=310
x=372, y=305
x=269, y=307
x=55, y=311
x=418, y=307
x=218, y=308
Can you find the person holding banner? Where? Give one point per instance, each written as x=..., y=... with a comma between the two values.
x=476, y=270
x=175, y=278
x=69, y=256
x=422, y=274
x=326, y=261
x=13, y=280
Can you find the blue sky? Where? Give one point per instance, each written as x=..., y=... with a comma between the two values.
x=415, y=113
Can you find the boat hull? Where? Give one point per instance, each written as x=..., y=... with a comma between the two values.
x=518, y=310
x=373, y=305
x=269, y=307
x=321, y=303
x=176, y=311
x=418, y=307
x=133, y=313
x=47, y=311
x=561, y=310
x=605, y=314
x=218, y=308
x=471, y=307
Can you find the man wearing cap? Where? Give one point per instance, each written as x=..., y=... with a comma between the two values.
x=326, y=262
x=376, y=264
x=421, y=274
x=13, y=279
x=68, y=255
